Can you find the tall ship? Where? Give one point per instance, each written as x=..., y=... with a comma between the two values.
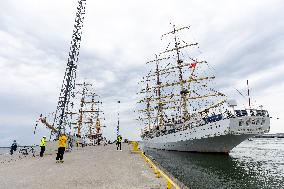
x=85, y=117
x=181, y=109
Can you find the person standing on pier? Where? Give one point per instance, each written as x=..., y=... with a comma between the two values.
x=42, y=146
x=61, y=148
x=13, y=147
x=118, y=142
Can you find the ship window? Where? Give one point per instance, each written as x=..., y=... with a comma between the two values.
x=257, y=122
x=252, y=113
x=258, y=113
x=238, y=113
x=247, y=122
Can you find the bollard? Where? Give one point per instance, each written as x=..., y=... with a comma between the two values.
x=155, y=171
x=135, y=146
x=158, y=175
x=169, y=185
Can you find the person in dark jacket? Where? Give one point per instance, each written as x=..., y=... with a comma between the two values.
x=13, y=147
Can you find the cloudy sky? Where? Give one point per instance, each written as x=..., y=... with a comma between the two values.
x=241, y=39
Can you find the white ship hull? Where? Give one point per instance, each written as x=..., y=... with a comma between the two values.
x=220, y=136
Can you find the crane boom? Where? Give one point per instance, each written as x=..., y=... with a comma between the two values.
x=61, y=116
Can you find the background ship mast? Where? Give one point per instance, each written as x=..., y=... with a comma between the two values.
x=94, y=117
x=84, y=86
x=88, y=112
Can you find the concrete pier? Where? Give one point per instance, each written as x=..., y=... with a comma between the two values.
x=89, y=167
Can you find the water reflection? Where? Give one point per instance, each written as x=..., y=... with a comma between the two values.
x=253, y=164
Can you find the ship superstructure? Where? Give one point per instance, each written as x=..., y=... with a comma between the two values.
x=183, y=111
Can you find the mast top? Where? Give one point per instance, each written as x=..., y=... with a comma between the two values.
x=175, y=30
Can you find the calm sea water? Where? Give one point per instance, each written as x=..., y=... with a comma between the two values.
x=4, y=150
x=257, y=164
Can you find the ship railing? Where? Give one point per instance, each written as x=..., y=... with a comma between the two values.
x=197, y=123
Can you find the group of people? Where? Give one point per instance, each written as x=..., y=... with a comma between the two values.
x=62, y=140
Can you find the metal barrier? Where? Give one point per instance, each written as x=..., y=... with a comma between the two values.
x=157, y=171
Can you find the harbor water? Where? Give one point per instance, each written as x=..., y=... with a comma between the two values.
x=256, y=164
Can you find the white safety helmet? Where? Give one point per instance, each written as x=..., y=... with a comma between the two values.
x=44, y=136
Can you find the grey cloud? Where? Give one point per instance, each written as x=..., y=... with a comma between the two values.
x=237, y=47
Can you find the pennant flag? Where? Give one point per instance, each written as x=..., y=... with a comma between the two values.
x=192, y=65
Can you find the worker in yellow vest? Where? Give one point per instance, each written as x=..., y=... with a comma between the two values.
x=118, y=142
x=42, y=146
x=61, y=148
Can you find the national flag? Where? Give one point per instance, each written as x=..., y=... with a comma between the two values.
x=192, y=65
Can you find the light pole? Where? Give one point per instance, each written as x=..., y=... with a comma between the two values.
x=117, y=128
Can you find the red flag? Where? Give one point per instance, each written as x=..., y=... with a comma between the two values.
x=192, y=65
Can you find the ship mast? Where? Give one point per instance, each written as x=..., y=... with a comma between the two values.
x=86, y=113
x=177, y=46
x=148, y=107
x=160, y=105
x=183, y=92
x=82, y=102
x=92, y=112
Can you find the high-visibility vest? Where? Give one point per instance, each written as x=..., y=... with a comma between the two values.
x=42, y=142
x=62, y=141
x=119, y=139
